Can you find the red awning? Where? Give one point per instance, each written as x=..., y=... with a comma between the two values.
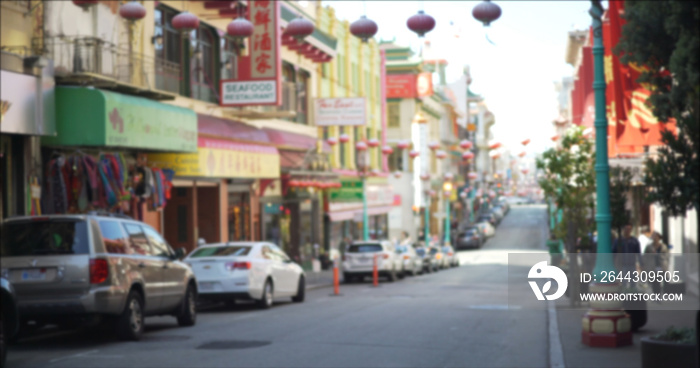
x=230, y=129
x=291, y=159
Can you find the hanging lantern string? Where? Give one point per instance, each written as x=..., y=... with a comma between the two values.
x=488, y=39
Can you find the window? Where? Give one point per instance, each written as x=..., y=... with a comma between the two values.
x=355, y=78
x=114, y=238
x=158, y=244
x=228, y=58
x=396, y=160
x=137, y=239
x=226, y=251
x=168, y=47
x=393, y=115
x=365, y=248
x=267, y=253
x=46, y=237
x=202, y=64
x=341, y=72
x=302, y=97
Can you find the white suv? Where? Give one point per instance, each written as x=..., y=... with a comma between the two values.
x=358, y=260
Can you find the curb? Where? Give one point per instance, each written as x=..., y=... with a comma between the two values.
x=556, y=353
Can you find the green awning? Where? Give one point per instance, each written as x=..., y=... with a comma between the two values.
x=92, y=117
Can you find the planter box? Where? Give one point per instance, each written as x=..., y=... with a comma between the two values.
x=663, y=354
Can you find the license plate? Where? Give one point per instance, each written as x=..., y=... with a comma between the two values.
x=36, y=274
x=204, y=286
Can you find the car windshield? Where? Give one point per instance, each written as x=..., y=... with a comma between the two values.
x=433, y=250
x=420, y=251
x=44, y=237
x=365, y=248
x=222, y=251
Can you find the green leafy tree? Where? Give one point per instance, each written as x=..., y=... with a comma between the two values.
x=569, y=180
x=664, y=37
x=620, y=186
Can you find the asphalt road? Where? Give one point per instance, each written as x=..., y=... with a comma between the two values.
x=454, y=318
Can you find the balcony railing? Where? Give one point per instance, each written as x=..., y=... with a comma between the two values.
x=291, y=101
x=91, y=55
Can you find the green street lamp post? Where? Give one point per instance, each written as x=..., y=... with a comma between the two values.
x=605, y=324
x=365, y=215
x=362, y=163
x=426, y=229
x=447, y=191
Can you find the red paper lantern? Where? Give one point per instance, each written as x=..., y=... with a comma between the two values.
x=425, y=177
x=240, y=28
x=441, y=154
x=361, y=146
x=447, y=193
x=85, y=4
x=387, y=150
x=465, y=144
x=486, y=12
x=525, y=142
x=185, y=22
x=363, y=28
x=525, y=171
x=344, y=138
x=467, y=155
x=521, y=154
x=332, y=141
x=494, y=145
x=373, y=143
x=132, y=11
x=421, y=23
x=472, y=175
x=403, y=144
x=299, y=28
x=397, y=174
x=293, y=183
x=414, y=153
x=433, y=145
x=555, y=138
x=448, y=176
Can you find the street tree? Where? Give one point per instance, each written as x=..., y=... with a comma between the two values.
x=663, y=37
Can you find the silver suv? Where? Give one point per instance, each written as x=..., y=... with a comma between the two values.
x=77, y=268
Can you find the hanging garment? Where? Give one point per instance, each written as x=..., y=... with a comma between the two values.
x=59, y=198
x=110, y=196
x=169, y=175
x=91, y=181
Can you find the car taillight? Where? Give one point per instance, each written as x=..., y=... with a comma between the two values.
x=449, y=254
x=98, y=271
x=237, y=265
x=386, y=256
x=406, y=257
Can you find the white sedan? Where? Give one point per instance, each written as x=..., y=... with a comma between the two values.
x=486, y=228
x=246, y=270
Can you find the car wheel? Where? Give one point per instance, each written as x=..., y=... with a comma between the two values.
x=130, y=323
x=413, y=271
x=401, y=274
x=188, y=310
x=266, y=301
x=392, y=275
x=301, y=289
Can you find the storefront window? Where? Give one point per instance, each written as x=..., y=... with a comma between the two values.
x=228, y=59
x=168, y=45
x=202, y=64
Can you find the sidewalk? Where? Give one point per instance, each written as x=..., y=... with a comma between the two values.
x=315, y=280
x=577, y=354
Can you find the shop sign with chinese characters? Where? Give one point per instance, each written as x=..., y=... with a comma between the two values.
x=217, y=158
x=258, y=81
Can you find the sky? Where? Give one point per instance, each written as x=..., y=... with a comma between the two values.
x=515, y=72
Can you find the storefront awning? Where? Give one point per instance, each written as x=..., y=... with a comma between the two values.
x=97, y=118
x=217, y=158
x=289, y=140
x=229, y=129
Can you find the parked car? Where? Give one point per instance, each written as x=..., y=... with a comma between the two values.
x=436, y=252
x=72, y=268
x=257, y=271
x=471, y=237
x=450, y=258
x=428, y=260
x=9, y=319
x=498, y=212
x=358, y=260
x=487, y=229
x=488, y=217
x=412, y=264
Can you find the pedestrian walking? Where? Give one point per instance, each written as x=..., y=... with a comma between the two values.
x=628, y=253
x=657, y=257
x=645, y=237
